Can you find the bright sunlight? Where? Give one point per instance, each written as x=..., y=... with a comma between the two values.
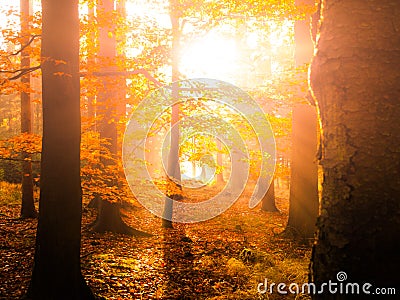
x=213, y=56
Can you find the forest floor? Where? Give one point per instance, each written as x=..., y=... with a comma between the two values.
x=223, y=258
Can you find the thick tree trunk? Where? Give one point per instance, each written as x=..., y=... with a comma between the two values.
x=56, y=272
x=28, y=209
x=355, y=79
x=109, y=219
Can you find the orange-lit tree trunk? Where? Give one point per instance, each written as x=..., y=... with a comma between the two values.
x=355, y=79
x=28, y=209
x=109, y=217
x=303, y=201
x=121, y=80
x=173, y=166
x=91, y=99
x=57, y=271
x=303, y=206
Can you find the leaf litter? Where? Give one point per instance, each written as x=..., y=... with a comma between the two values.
x=222, y=258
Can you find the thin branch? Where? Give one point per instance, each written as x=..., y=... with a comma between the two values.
x=143, y=72
x=14, y=71
x=21, y=72
x=26, y=45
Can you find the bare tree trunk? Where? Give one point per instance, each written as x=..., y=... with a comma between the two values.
x=91, y=111
x=237, y=182
x=121, y=81
x=220, y=176
x=57, y=271
x=28, y=209
x=173, y=158
x=268, y=201
x=303, y=209
x=303, y=201
x=355, y=79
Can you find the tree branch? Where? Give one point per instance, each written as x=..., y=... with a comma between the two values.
x=143, y=72
x=26, y=45
x=21, y=72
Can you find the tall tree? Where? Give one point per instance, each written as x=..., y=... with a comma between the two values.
x=109, y=216
x=56, y=272
x=28, y=209
x=173, y=166
x=355, y=80
x=91, y=99
x=303, y=201
x=111, y=106
x=303, y=207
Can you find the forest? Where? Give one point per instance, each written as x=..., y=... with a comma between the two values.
x=199, y=149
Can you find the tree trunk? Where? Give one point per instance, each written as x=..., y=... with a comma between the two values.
x=303, y=201
x=268, y=201
x=109, y=217
x=303, y=37
x=237, y=182
x=56, y=272
x=91, y=99
x=173, y=171
x=220, y=175
x=28, y=209
x=303, y=208
x=355, y=79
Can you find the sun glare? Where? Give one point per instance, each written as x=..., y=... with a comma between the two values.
x=218, y=54
x=213, y=56
x=154, y=10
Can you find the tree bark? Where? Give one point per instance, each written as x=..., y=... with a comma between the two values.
x=28, y=209
x=355, y=80
x=56, y=272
